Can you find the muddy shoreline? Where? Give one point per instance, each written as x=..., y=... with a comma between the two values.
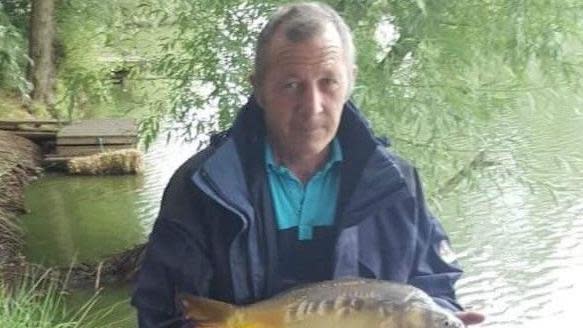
x=20, y=163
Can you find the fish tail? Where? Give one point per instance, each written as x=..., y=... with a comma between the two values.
x=205, y=312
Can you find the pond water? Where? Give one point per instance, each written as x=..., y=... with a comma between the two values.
x=518, y=230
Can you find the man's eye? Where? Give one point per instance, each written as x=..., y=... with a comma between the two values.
x=292, y=85
x=330, y=82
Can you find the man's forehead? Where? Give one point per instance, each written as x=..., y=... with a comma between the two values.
x=321, y=55
x=326, y=42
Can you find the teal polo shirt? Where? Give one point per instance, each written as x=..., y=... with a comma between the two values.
x=304, y=206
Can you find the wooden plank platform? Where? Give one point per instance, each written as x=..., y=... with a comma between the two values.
x=103, y=128
x=114, y=140
x=97, y=135
x=79, y=138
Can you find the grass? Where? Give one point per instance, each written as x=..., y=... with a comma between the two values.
x=11, y=106
x=41, y=303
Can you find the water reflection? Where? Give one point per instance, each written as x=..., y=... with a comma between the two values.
x=80, y=218
x=161, y=161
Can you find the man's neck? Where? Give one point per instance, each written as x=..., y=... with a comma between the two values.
x=303, y=165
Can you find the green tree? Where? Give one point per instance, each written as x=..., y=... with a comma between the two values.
x=450, y=65
x=42, y=68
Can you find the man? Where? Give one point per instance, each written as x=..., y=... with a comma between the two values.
x=298, y=190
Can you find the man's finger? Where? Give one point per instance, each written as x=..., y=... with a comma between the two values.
x=470, y=317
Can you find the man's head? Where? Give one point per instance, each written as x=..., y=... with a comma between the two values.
x=304, y=71
x=301, y=22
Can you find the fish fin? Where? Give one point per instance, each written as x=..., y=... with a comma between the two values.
x=205, y=312
x=267, y=319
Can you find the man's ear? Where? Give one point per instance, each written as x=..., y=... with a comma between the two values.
x=256, y=92
x=354, y=73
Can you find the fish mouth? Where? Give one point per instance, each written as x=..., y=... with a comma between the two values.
x=452, y=322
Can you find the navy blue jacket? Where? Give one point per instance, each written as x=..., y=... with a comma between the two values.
x=214, y=235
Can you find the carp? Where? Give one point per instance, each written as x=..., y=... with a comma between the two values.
x=347, y=303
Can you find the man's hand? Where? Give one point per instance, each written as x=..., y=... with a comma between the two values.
x=470, y=317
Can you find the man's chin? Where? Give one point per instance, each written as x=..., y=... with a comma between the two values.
x=303, y=148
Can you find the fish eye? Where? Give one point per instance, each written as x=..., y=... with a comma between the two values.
x=451, y=324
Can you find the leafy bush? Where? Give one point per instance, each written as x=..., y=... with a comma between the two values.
x=13, y=56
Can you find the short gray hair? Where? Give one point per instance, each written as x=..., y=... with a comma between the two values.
x=301, y=22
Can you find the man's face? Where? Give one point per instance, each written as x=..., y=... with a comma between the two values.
x=303, y=91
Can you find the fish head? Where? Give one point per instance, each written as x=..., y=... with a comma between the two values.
x=444, y=319
x=428, y=316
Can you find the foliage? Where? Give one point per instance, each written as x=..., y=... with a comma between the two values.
x=13, y=55
x=86, y=56
x=206, y=59
x=104, y=68
x=82, y=74
x=18, y=12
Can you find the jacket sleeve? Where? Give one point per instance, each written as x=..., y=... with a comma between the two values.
x=435, y=266
x=176, y=259
x=168, y=267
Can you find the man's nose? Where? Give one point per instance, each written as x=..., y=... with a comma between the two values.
x=312, y=100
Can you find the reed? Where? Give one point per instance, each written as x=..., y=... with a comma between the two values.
x=39, y=301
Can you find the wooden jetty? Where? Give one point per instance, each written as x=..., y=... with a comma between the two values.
x=62, y=141
x=95, y=136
